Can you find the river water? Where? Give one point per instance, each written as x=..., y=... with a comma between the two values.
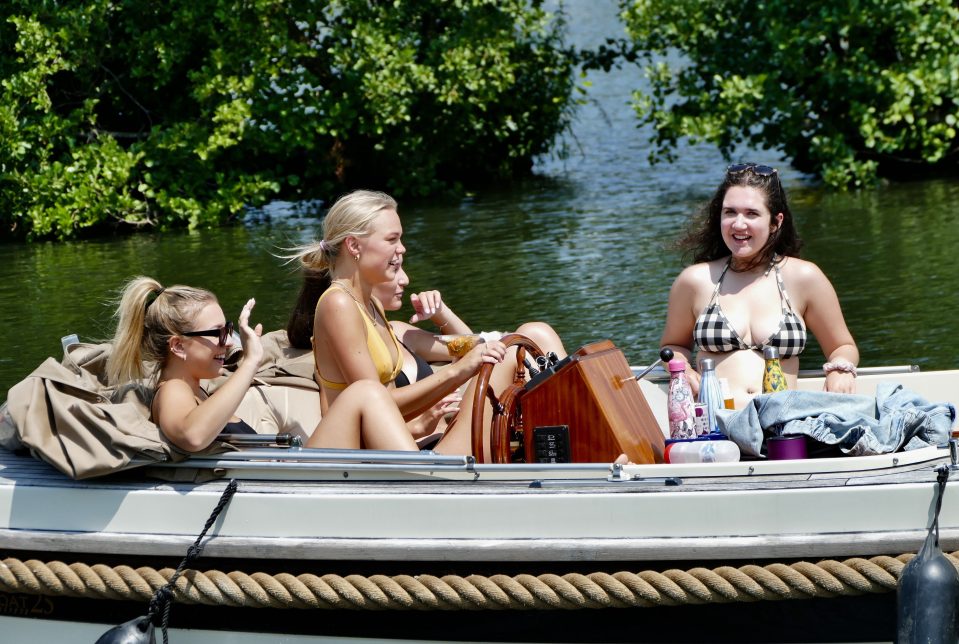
x=582, y=245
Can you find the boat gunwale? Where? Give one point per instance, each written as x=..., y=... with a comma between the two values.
x=541, y=549
x=279, y=464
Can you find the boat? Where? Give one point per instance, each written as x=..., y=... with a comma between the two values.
x=364, y=545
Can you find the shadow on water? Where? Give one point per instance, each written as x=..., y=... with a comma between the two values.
x=582, y=245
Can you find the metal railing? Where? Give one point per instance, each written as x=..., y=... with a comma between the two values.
x=660, y=373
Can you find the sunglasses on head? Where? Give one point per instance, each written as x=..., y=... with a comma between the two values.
x=220, y=334
x=760, y=170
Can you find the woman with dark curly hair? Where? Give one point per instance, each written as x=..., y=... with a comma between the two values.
x=747, y=289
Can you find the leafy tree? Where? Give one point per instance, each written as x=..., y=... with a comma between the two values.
x=137, y=113
x=849, y=89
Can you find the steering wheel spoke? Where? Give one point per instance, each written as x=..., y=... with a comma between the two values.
x=506, y=417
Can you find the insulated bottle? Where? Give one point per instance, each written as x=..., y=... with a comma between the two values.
x=710, y=393
x=773, y=378
x=682, y=423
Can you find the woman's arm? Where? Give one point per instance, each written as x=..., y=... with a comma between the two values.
x=429, y=305
x=680, y=321
x=823, y=316
x=416, y=398
x=423, y=343
x=427, y=422
x=341, y=330
x=192, y=426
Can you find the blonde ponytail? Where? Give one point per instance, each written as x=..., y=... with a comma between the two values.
x=148, y=315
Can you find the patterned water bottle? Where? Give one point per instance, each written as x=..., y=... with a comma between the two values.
x=682, y=420
x=773, y=377
x=709, y=392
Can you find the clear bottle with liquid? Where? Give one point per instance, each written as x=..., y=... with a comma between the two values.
x=709, y=392
x=728, y=401
x=773, y=377
x=680, y=404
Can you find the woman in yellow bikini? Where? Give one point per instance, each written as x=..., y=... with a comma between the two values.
x=361, y=247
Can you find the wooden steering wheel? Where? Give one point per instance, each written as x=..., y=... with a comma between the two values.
x=505, y=420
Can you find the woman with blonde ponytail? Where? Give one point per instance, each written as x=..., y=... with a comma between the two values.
x=179, y=334
x=346, y=325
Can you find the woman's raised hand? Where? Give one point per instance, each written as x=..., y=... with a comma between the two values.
x=426, y=305
x=249, y=336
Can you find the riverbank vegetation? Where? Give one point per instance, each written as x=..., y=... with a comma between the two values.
x=849, y=91
x=164, y=114
x=142, y=114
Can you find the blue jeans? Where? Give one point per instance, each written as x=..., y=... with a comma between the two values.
x=859, y=425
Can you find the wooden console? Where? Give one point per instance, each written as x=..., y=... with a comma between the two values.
x=597, y=397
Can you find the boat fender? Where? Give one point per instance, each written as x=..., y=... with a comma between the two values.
x=137, y=631
x=928, y=594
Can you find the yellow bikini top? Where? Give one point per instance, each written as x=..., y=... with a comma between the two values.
x=387, y=368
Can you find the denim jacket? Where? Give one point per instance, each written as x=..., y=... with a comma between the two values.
x=896, y=418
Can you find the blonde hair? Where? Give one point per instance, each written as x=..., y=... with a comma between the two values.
x=148, y=315
x=351, y=216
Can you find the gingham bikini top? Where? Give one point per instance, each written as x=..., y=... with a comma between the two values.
x=714, y=333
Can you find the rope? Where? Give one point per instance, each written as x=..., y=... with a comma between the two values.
x=162, y=599
x=776, y=581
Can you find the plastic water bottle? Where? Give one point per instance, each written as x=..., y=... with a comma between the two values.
x=710, y=393
x=68, y=341
x=682, y=419
x=701, y=451
x=773, y=378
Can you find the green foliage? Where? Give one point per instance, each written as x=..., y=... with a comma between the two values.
x=139, y=113
x=849, y=89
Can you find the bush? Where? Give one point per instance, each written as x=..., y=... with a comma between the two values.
x=850, y=90
x=163, y=114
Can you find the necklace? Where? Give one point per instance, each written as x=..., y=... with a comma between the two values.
x=368, y=309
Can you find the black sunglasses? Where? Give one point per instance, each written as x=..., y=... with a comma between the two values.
x=220, y=334
x=760, y=170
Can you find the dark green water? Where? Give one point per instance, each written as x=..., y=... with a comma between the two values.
x=581, y=246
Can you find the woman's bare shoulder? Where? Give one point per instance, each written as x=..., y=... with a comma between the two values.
x=334, y=301
x=401, y=329
x=174, y=394
x=701, y=275
x=803, y=272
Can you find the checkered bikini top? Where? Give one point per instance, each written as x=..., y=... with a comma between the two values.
x=714, y=333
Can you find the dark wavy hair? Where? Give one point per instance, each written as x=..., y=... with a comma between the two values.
x=299, y=328
x=703, y=240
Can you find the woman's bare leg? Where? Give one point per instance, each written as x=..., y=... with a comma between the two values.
x=363, y=415
x=544, y=336
x=458, y=438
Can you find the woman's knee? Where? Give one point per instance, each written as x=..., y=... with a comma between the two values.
x=543, y=335
x=366, y=390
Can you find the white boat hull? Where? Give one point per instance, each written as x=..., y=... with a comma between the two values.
x=318, y=512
